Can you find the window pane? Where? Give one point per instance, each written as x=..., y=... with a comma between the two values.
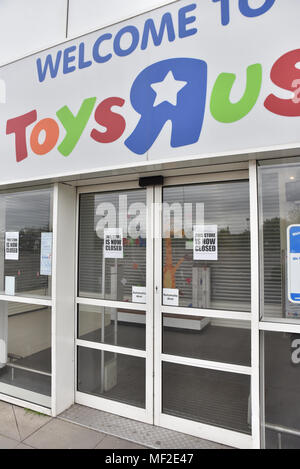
x=114, y=326
x=112, y=376
x=211, y=339
x=281, y=366
x=279, y=193
x=25, y=352
x=114, y=277
x=222, y=279
x=211, y=397
x=26, y=219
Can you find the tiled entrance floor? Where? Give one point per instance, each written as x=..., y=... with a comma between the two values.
x=133, y=431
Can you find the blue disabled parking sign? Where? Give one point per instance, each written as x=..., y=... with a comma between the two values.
x=293, y=258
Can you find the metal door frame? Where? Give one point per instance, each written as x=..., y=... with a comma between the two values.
x=130, y=411
x=194, y=428
x=154, y=310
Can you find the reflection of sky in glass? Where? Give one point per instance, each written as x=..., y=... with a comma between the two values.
x=26, y=210
x=281, y=184
x=217, y=199
x=225, y=204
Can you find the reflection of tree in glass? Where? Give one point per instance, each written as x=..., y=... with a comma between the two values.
x=293, y=217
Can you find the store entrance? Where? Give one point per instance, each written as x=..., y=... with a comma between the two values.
x=163, y=305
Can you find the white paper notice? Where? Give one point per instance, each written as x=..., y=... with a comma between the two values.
x=46, y=254
x=293, y=258
x=205, y=242
x=171, y=296
x=138, y=294
x=9, y=286
x=12, y=246
x=113, y=243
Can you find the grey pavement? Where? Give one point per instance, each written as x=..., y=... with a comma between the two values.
x=24, y=429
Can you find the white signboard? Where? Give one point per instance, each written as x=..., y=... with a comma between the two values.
x=138, y=294
x=191, y=90
x=46, y=254
x=293, y=258
x=171, y=297
x=9, y=285
x=12, y=246
x=205, y=242
x=113, y=243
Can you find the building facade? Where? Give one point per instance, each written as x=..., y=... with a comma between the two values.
x=150, y=213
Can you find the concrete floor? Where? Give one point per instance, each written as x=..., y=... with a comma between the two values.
x=24, y=429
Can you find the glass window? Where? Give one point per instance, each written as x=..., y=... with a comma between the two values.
x=227, y=341
x=219, y=276
x=279, y=203
x=112, y=376
x=212, y=397
x=281, y=389
x=25, y=352
x=114, y=326
x=112, y=245
x=26, y=240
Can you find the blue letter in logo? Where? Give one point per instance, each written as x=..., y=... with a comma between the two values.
x=175, y=90
x=246, y=10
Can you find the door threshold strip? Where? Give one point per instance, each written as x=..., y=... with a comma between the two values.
x=131, y=430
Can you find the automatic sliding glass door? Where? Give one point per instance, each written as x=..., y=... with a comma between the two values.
x=203, y=326
x=163, y=306
x=114, y=303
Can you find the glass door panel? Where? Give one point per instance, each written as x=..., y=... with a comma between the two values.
x=106, y=219
x=117, y=377
x=207, y=338
x=211, y=397
x=209, y=279
x=279, y=217
x=204, y=327
x=114, y=325
x=25, y=352
x=144, y=300
x=26, y=219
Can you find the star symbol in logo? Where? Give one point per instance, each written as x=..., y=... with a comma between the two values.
x=167, y=90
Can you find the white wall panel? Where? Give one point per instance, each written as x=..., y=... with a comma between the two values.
x=90, y=15
x=63, y=292
x=30, y=25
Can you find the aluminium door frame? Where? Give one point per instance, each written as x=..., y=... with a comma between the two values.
x=154, y=270
x=220, y=435
x=100, y=403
